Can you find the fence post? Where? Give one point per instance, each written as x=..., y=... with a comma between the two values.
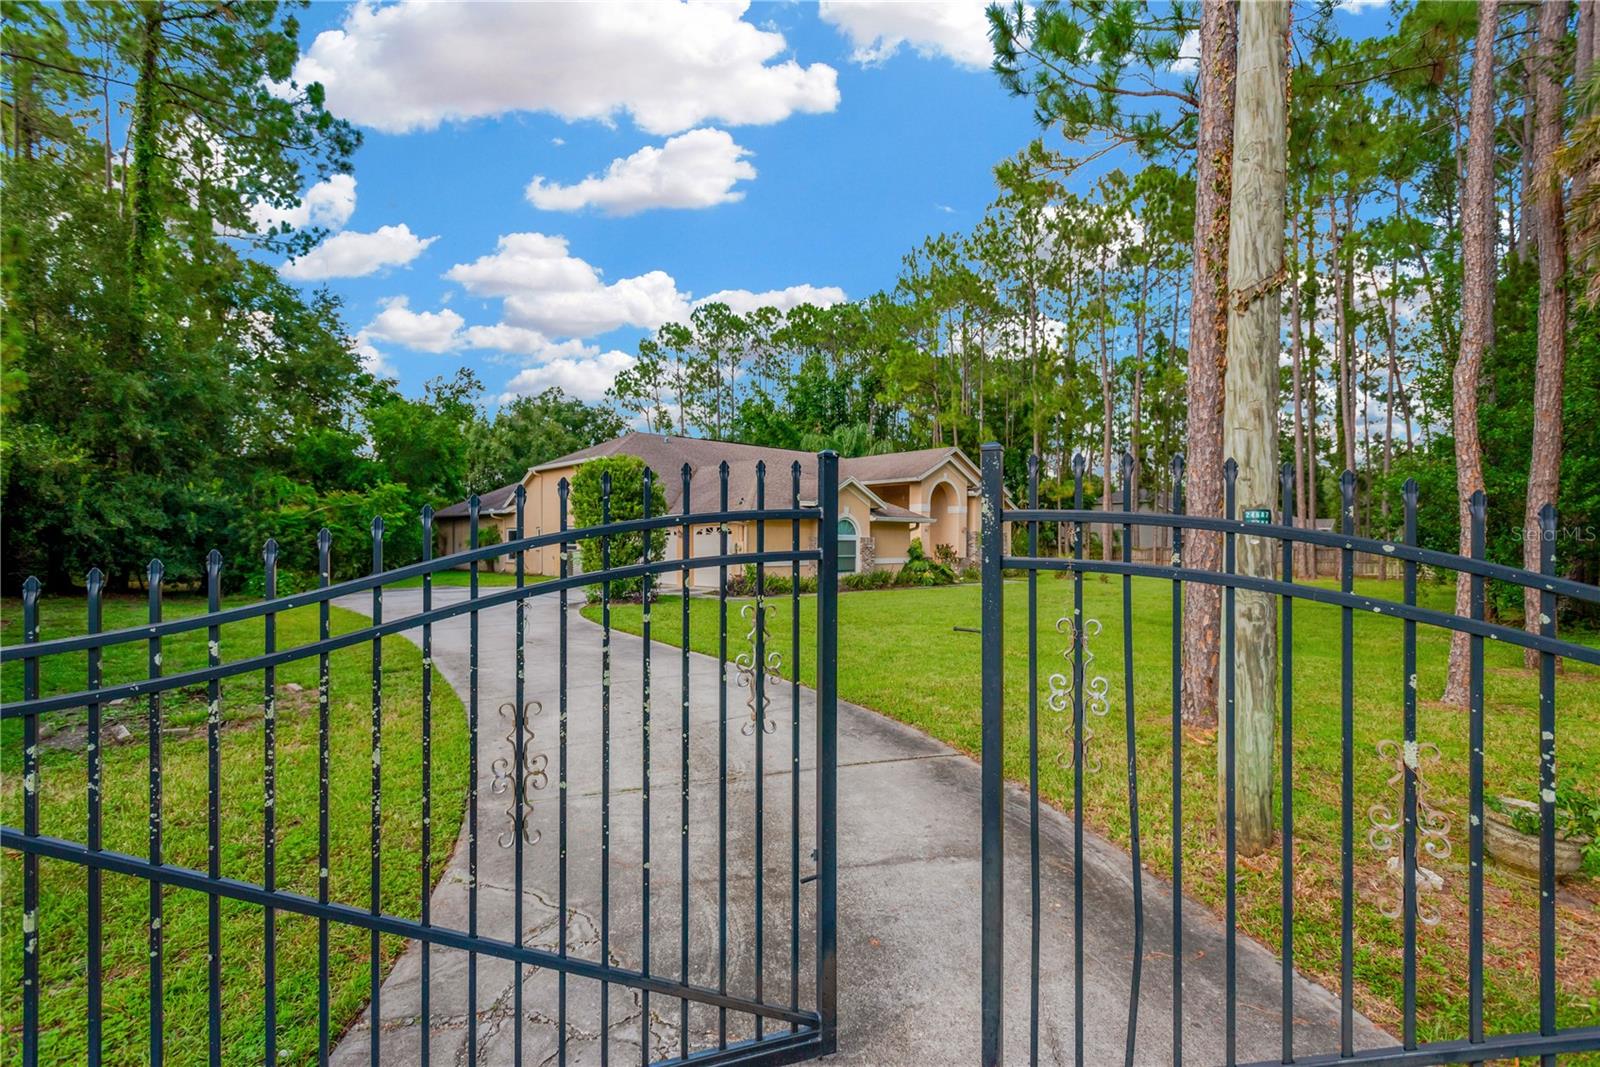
x=993, y=768
x=827, y=749
x=30, y=827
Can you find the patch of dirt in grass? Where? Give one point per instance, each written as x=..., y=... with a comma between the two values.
x=69, y=731
x=1510, y=934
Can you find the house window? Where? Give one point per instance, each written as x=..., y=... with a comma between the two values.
x=847, y=547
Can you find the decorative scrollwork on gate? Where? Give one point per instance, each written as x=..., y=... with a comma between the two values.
x=1433, y=828
x=1096, y=693
x=745, y=663
x=535, y=774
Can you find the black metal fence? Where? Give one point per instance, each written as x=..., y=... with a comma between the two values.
x=742, y=985
x=1416, y=826
x=746, y=1009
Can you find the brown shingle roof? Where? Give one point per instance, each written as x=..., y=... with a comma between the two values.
x=498, y=501
x=666, y=455
x=895, y=466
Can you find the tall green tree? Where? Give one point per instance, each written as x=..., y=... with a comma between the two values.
x=1478, y=295
x=151, y=369
x=531, y=430
x=423, y=443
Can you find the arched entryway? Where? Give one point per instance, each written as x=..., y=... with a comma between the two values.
x=944, y=511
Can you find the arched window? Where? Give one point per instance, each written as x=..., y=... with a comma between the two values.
x=847, y=547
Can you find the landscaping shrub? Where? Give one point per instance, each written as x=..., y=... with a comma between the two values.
x=293, y=514
x=776, y=582
x=869, y=580
x=627, y=502
x=289, y=582
x=920, y=570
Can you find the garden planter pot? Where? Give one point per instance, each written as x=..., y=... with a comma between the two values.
x=1511, y=847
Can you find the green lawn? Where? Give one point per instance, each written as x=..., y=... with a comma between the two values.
x=903, y=652
x=63, y=887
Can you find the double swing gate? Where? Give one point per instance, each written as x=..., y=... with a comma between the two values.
x=645, y=869
x=1404, y=832
x=646, y=865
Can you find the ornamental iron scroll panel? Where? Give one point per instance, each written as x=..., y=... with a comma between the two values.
x=1431, y=828
x=1408, y=826
x=535, y=774
x=758, y=639
x=535, y=767
x=1096, y=691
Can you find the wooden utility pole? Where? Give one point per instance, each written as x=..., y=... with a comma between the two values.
x=1250, y=414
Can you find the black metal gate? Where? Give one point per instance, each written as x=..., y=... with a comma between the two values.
x=764, y=994
x=742, y=986
x=1415, y=827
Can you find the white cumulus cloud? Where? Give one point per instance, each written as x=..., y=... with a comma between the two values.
x=692, y=170
x=328, y=203
x=955, y=29
x=521, y=341
x=425, y=331
x=372, y=360
x=669, y=66
x=586, y=377
x=743, y=301
x=1188, y=60
x=552, y=301
x=547, y=289
x=354, y=255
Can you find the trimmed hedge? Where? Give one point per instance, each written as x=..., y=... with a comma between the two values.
x=919, y=570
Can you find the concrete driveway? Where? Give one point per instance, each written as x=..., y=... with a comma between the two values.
x=908, y=883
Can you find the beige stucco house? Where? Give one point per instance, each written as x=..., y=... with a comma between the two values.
x=497, y=517
x=884, y=501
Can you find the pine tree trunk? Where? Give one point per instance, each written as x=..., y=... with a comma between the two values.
x=1347, y=326
x=1340, y=356
x=1477, y=303
x=1105, y=422
x=1312, y=408
x=1141, y=318
x=146, y=217
x=1583, y=62
x=1297, y=359
x=1208, y=331
x=1393, y=381
x=1255, y=256
x=1527, y=232
x=1544, y=469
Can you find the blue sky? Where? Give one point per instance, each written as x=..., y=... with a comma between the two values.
x=845, y=181
x=543, y=184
